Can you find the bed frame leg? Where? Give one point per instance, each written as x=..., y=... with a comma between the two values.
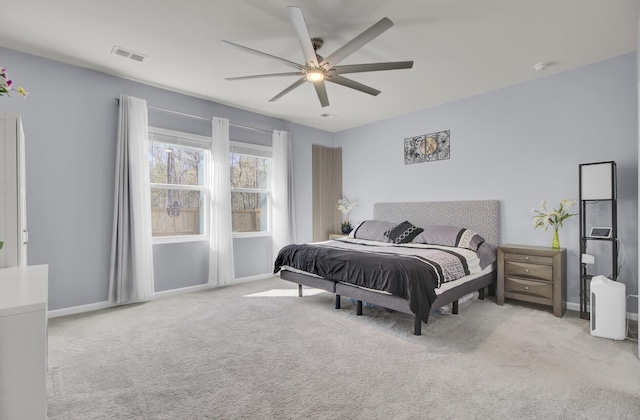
x=337, y=301
x=455, y=308
x=492, y=289
x=358, y=307
x=481, y=293
x=417, y=326
x=299, y=290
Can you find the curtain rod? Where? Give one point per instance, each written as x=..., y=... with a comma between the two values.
x=261, y=130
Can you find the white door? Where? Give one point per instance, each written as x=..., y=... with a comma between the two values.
x=12, y=192
x=22, y=196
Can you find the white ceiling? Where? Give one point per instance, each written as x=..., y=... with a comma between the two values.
x=460, y=47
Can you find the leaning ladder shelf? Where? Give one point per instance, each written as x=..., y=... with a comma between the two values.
x=597, y=184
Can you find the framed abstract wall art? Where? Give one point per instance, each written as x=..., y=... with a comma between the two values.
x=427, y=147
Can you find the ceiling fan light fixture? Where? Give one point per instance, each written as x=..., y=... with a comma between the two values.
x=317, y=69
x=315, y=75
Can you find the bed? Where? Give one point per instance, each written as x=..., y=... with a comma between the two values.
x=479, y=216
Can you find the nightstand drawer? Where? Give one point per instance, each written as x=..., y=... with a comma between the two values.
x=533, y=288
x=521, y=269
x=528, y=258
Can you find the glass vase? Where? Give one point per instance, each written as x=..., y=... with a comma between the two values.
x=556, y=239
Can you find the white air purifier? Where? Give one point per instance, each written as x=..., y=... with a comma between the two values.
x=608, y=313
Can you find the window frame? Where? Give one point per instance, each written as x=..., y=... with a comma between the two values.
x=203, y=189
x=260, y=151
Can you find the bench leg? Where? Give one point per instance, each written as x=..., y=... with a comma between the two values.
x=337, y=301
x=481, y=294
x=299, y=290
x=359, y=307
x=455, y=308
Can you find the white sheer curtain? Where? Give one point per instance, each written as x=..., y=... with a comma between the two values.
x=131, y=274
x=221, y=269
x=283, y=221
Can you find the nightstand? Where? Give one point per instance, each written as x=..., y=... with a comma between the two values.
x=533, y=274
x=337, y=235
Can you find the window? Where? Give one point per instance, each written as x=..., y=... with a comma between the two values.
x=178, y=168
x=250, y=167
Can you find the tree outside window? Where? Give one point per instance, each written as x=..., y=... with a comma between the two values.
x=249, y=192
x=177, y=189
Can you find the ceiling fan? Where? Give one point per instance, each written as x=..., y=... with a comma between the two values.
x=318, y=69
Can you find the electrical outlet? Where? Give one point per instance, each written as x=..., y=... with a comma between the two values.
x=588, y=259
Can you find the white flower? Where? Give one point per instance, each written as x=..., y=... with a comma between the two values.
x=545, y=218
x=566, y=203
x=345, y=206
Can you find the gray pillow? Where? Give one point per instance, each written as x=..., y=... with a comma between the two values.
x=487, y=253
x=373, y=230
x=449, y=236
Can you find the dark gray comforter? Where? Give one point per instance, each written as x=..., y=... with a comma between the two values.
x=406, y=275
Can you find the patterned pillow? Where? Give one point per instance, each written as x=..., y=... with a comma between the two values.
x=449, y=236
x=404, y=233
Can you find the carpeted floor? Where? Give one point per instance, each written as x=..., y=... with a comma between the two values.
x=256, y=350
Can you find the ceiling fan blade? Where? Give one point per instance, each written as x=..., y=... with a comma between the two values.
x=262, y=54
x=259, y=76
x=297, y=19
x=353, y=85
x=321, y=90
x=360, y=68
x=356, y=43
x=289, y=89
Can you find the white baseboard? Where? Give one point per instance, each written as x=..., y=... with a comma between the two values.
x=173, y=292
x=158, y=295
x=79, y=309
x=253, y=278
x=576, y=307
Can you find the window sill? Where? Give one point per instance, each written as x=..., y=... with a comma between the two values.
x=179, y=239
x=203, y=238
x=242, y=235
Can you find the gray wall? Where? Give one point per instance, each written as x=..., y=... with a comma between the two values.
x=520, y=145
x=70, y=119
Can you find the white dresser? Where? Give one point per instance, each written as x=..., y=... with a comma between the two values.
x=23, y=342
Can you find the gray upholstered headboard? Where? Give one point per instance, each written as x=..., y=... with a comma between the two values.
x=481, y=216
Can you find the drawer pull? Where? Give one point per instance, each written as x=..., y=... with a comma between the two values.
x=526, y=270
x=526, y=287
x=526, y=258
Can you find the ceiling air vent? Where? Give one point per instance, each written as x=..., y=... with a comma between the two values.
x=122, y=52
x=137, y=57
x=327, y=116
